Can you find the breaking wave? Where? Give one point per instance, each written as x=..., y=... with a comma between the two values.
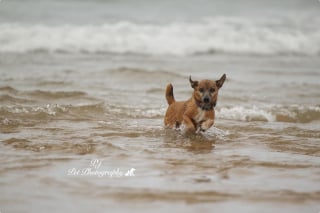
x=29, y=107
x=27, y=115
x=294, y=113
x=215, y=35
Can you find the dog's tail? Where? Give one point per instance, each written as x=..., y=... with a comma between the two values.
x=169, y=94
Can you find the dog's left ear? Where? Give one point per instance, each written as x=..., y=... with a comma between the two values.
x=193, y=83
x=220, y=82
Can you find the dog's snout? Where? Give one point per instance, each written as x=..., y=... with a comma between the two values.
x=206, y=100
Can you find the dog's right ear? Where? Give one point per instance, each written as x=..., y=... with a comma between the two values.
x=220, y=82
x=193, y=83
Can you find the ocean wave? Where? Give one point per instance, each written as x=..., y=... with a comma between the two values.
x=8, y=89
x=138, y=73
x=245, y=114
x=10, y=95
x=278, y=113
x=5, y=99
x=12, y=117
x=31, y=111
x=15, y=116
x=294, y=113
x=225, y=35
x=56, y=94
x=135, y=112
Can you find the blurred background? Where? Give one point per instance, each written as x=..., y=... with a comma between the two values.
x=161, y=27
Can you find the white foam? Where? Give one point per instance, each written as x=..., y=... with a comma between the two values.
x=246, y=114
x=50, y=109
x=180, y=38
x=219, y=132
x=271, y=113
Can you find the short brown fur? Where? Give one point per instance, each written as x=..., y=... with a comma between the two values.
x=197, y=113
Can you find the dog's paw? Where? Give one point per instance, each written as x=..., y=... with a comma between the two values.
x=206, y=125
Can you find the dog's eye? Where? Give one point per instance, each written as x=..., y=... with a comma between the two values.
x=212, y=90
x=201, y=90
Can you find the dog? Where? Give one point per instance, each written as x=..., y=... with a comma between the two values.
x=196, y=114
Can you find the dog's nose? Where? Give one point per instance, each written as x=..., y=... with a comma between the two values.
x=206, y=100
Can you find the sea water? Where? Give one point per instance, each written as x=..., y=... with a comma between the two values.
x=82, y=105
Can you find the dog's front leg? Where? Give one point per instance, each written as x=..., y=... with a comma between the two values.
x=206, y=125
x=188, y=126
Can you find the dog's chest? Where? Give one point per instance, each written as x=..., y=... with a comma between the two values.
x=201, y=116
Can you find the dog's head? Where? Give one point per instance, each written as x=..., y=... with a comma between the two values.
x=206, y=92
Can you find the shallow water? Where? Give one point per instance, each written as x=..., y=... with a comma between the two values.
x=82, y=106
x=73, y=127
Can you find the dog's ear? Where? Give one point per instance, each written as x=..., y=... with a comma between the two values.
x=220, y=82
x=193, y=83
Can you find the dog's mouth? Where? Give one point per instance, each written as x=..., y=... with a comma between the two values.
x=206, y=103
x=207, y=106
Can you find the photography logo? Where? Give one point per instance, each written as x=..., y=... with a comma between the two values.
x=95, y=169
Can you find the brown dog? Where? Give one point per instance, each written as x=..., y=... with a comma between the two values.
x=197, y=113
